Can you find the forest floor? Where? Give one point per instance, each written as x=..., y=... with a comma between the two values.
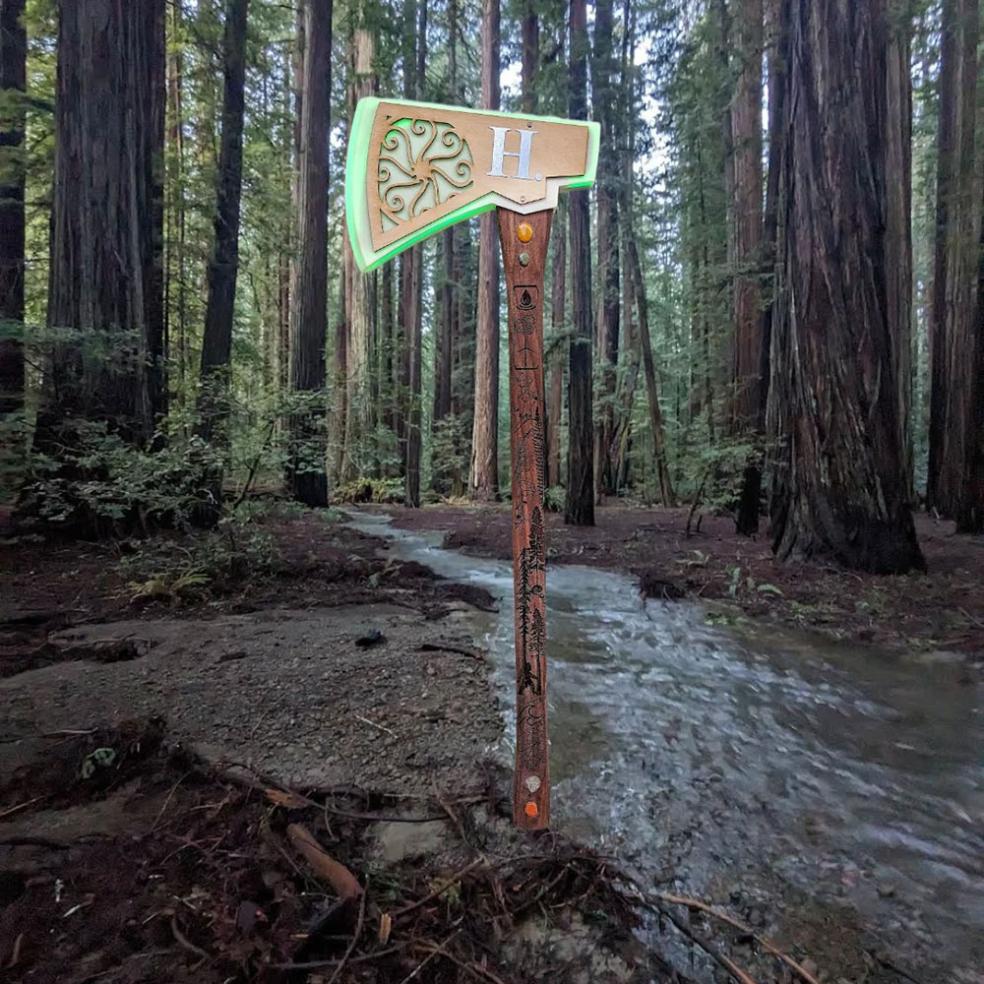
x=183, y=715
x=740, y=577
x=194, y=765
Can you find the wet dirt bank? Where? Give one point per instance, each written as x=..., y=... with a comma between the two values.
x=943, y=610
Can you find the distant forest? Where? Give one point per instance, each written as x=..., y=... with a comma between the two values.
x=770, y=304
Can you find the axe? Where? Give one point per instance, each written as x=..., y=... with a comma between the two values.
x=413, y=169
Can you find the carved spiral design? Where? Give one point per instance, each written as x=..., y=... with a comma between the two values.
x=420, y=166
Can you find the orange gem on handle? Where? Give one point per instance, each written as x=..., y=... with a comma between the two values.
x=524, y=232
x=531, y=810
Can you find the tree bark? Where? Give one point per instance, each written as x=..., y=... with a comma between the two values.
x=105, y=283
x=607, y=315
x=557, y=350
x=223, y=265
x=360, y=312
x=898, y=217
x=484, y=478
x=955, y=264
x=970, y=510
x=13, y=83
x=411, y=315
x=667, y=495
x=178, y=347
x=746, y=363
x=309, y=315
x=841, y=486
x=579, y=507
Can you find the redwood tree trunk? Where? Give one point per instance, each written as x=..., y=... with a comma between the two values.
x=746, y=129
x=484, y=478
x=954, y=288
x=557, y=354
x=107, y=221
x=309, y=314
x=607, y=317
x=13, y=82
x=360, y=311
x=841, y=486
x=223, y=266
x=970, y=511
x=579, y=508
x=410, y=300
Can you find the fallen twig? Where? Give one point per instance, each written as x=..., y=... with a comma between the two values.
x=337, y=875
x=762, y=941
x=15, y=955
x=184, y=942
x=726, y=962
x=20, y=806
x=381, y=727
x=355, y=936
x=476, y=971
x=453, y=880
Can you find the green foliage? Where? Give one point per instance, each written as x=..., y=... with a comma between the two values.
x=216, y=562
x=554, y=498
x=89, y=477
x=378, y=490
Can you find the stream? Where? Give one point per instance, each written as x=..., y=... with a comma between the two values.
x=831, y=795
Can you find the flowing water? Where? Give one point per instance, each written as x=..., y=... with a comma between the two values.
x=831, y=793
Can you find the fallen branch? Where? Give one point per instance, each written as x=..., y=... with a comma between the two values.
x=762, y=941
x=337, y=875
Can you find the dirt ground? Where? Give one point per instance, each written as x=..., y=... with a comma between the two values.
x=184, y=771
x=184, y=765
x=941, y=610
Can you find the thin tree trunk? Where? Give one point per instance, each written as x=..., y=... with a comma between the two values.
x=223, y=266
x=530, y=34
x=309, y=316
x=898, y=219
x=178, y=352
x=13, y=83
x=412, y=313
x=387, y=330
x=360, y=312
x=656, y=428
x=970, y=511
x=607, y=315
x=841, y=486
x=484, y=477
x=579, y=508
x=746, y=363
x=558, y=349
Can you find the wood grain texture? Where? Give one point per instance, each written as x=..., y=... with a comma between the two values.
x=524, y=291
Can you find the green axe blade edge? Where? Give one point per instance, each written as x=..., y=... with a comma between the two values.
x=357, y=159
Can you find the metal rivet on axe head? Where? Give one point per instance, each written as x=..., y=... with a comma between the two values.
x=524, y=259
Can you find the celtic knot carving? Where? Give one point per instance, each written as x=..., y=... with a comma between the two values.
x=422, y=164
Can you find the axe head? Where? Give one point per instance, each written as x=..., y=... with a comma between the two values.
x=414, y=168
